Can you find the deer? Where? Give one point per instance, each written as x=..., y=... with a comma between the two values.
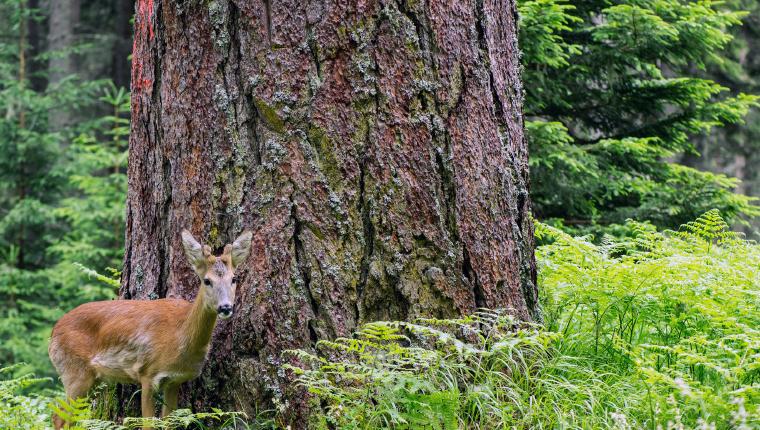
x=158, y=344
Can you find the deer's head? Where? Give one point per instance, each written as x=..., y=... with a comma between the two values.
x=217, y=273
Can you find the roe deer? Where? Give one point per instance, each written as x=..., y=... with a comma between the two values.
x=155, y=343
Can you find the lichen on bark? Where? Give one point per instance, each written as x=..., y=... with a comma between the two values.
x=375, y=149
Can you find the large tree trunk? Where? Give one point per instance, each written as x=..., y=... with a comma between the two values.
x=375, y=149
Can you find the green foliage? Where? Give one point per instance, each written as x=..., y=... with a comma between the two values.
x=25, y=317
x=447, y=374
x=612, y=97
x=678, y=310
x=61, y=195
x=23, y=412
x=181, y=419
x=18, y=411
x=79, y=414
x=483, y=371
x=75, y=412
x=92, y=211
x=654, y=330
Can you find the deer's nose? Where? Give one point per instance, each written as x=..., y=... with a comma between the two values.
x=224, y=311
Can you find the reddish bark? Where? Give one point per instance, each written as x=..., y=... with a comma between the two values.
x=374, y=148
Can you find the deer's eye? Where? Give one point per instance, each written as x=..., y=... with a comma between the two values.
x=207, y=282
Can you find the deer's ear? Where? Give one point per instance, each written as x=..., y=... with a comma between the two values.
x=241, y=247
x=194, y=253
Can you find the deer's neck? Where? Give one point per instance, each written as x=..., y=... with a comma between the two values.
x=199, y=325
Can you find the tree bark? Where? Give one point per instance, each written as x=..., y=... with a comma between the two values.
x=374, y=148
x=63, y=21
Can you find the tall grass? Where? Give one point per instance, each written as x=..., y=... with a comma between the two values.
x=485, y=371
x=678, y=311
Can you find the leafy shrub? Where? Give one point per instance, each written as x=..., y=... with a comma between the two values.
x=22, y=412
x=18, y=411
x=655, y=330
x=483, y=371
x=677, y=310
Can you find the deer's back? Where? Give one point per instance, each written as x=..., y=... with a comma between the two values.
x=119, y=340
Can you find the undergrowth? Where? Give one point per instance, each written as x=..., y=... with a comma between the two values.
x=649, y=330
x=33, y=412
x=483, y=371
x=678, y=312
x=18, y=411
x=655, y=330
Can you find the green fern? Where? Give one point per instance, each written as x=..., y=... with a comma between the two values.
x=710, y=229
x=18, y=411
x=112, y=281
x=74, y=412
x=652, y=330
x=676, y=310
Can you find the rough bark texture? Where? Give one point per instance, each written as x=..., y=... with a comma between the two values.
x=375, y=149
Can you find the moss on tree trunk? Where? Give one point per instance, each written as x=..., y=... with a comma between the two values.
x=375, y=149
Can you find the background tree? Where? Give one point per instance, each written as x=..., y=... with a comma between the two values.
x=375, y=150
x=64, y=20
x=735, y=150
x=613, y=95
x=62, y=186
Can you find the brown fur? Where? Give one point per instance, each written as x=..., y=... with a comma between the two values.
x=154, y=343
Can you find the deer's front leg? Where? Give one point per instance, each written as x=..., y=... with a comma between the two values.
x=147, y=402
x=170, y=399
